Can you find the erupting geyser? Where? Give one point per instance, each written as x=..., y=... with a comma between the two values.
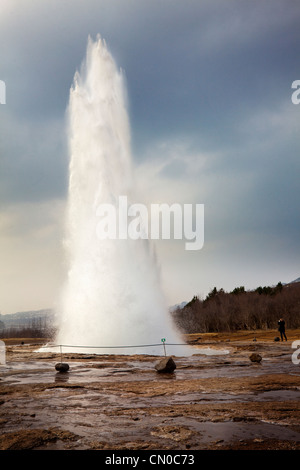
x=112, y=295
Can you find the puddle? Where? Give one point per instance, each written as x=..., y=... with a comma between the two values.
x=236, y=431
x=202, y=397
x=277, y=395
x=88, y=371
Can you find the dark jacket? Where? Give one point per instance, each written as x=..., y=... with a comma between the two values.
x=281, y=325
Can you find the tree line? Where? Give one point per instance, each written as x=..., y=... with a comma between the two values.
x=240, y=309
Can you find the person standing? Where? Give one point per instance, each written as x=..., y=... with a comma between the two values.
x=281, y=329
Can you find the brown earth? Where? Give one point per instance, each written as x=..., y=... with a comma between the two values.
x=220, y=401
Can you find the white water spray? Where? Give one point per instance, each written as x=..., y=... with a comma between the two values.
x=112, y=295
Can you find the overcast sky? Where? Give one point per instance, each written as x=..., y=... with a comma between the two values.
x=212, y=122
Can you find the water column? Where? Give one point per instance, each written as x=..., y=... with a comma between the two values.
x=112, y=294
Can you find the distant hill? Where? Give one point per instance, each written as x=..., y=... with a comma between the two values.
x=29, y=318
x=176, y=306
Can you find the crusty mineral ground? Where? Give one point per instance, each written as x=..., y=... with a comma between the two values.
x=211, y=401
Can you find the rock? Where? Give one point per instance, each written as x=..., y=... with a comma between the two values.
x=173, y=432
x=167, y=364
x=62, y=367
x=255, y=357
x=276, y=338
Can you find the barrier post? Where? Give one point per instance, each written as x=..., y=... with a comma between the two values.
x=163, y=342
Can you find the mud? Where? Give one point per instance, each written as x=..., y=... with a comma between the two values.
x=211, y=401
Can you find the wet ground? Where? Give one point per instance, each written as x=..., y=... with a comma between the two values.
x=211, y=401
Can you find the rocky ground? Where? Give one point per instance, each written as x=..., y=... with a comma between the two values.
x=211, y=401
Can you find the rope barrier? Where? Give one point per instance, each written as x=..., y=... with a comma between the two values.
x=163, y=343
x=112, y=347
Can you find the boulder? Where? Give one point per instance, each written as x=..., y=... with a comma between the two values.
x=62, y=367
x=166, y=365
x=276, y=338
x=255, y=357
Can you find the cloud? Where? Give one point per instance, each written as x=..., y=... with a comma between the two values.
x=33, y=160
x=32, y=262
x=209, y=87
